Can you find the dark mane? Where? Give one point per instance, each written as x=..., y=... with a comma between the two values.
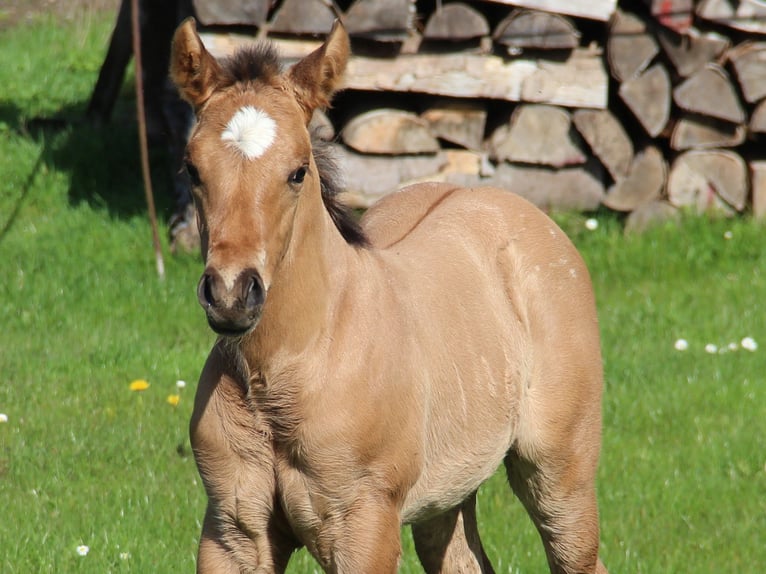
x=329, y=177
x=257, y=62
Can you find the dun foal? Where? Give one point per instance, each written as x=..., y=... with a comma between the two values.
x=375, y=374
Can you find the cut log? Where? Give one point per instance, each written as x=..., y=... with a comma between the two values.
x=579, y=81
x=370, y=177
x=537, y=134
x=674, y=14
x=388, y=131
x=525, y=29
x=302, y=18
x=690, y=52
x=712, y=180
x=758, y=119
x=236, y=12
x=758, y=178
x=746, y=15
x=749, y=62
x=600, y=10
x=710, y=92
x=648, y=97
x=392, y=20
x=644, y=182
x=456, y=22
x=607, y=139
x=578, y=188
x=700, y=132
x=649, y=215
x=458, y=122
x=630, y=48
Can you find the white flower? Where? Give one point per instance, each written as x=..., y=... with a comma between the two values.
x=124, y=555
x=180, y=384
x=681, y=345
x=3, y=418
x=83, y=550
x=711, y=348
x=591, y=224
x=749, y=344
x=728, y=235
x=733, y=346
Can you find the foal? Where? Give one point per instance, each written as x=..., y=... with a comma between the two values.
x=375, y=374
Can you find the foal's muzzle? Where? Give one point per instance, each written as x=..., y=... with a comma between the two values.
x=231, y=309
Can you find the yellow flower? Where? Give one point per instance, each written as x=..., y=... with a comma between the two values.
x=173, y=399
x=139, y=385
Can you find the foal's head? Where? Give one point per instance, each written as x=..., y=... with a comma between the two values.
x=250, y=161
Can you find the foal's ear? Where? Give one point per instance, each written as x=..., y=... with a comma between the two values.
x=194, y=70
x=318, y=76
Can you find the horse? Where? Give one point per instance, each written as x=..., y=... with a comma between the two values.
x=373, y=372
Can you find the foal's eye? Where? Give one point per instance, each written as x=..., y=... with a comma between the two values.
x=297, y=177
x=193, y=174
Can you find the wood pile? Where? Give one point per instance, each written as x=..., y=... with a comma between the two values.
x=642, y=106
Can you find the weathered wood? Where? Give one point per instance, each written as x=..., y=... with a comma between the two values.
x=537, y=134
x=690, y=52
x=458, y=122
x=749, y=62
x=644, y=182
x=648, y=215
x=523, y=29
x=746, y=15
x=577, y=188
x=648, y=97
x=709, y=180
x=758, y=182
x=592, y=9
x=710, y=92
x=236, y=12
x=674, y=14
x=607, y=139
x=301, y=17
x=630, y=47
x=580, y=81
x=389, y=131
x=392, y=20
x=321, y=126
x=758, y=119
x=701, y=132
x=456, y=22
x=370, y=177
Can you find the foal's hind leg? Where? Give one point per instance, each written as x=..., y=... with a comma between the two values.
x=560, y=497
x=450, y=543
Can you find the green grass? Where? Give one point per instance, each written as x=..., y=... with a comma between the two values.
x=83, y=460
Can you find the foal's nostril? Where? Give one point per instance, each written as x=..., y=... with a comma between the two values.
x=254, y=295
x=205, y=291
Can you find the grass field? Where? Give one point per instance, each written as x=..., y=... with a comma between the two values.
x=85, y=461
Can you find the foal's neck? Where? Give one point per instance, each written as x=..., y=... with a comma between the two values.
x=306, y=289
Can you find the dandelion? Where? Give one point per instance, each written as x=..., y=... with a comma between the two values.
x=591, y=224
x=83, y=550
x=681, y=345
x=173, y=399
x=3, y=418
x=711, y=348
x=749, y=344
x=139, y=385
x=180, y=384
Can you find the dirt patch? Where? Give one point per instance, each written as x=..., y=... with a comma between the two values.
x=15, y=12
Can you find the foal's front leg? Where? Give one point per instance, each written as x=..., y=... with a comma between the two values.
x=243, y=530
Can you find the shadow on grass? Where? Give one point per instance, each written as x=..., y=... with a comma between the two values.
x=102, y=161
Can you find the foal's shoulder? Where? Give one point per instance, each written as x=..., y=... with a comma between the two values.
x=397, y=214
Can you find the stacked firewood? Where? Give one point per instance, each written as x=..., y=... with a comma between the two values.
x=642, y=106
